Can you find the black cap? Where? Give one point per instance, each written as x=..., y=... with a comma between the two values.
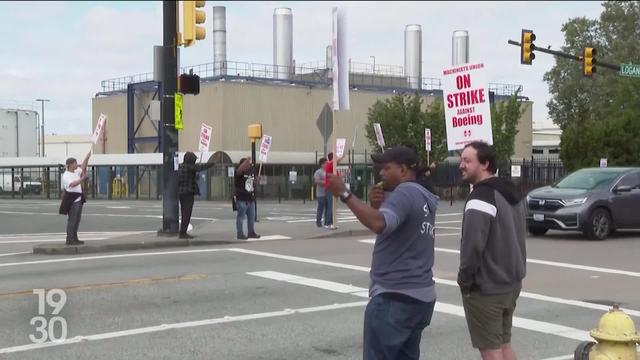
x=400, y=155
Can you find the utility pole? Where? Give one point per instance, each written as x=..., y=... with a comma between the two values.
x=169, y=136
x=42, y=101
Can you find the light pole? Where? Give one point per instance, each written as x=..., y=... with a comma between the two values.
x=42, y=101
x=374, y=64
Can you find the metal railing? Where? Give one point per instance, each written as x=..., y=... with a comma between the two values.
x=361, y=75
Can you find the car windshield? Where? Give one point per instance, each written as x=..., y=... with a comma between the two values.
x=589, y=179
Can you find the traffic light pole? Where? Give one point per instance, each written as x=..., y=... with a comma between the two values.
x=169, y=137
x=569, y=56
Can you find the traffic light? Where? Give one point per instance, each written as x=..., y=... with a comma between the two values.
x=189, y=84
x=589, y=61
x=193, y=15
x=527, y=47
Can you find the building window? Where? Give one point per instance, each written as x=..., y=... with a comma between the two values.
x=537, y=151
x=554, y=151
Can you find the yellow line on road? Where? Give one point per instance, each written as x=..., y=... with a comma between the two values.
x=133, y=282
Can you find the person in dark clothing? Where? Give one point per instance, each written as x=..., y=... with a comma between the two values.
x=188, y=188
x=423, y=177
x=74, y=199
x=493, y=253
x=402, y=292
x=245, y=183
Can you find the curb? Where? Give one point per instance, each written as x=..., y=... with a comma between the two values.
x=61, y=249
x=361, y=232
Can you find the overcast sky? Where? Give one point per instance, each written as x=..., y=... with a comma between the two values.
x=62, y=50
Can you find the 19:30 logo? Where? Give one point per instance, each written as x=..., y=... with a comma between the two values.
x=54, y=328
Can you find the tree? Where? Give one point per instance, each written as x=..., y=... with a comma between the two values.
x=504, y=123
x=403, y=122
x=598, y=115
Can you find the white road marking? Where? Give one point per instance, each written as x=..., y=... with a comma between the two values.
x=565, y=265
x=446, y=227
x=87, y=258
x=523, y=294
x=118, y=207
x=181, y=325
x=16, y=253
x=565, y=357
x=548, y=263
x=270, y=237
x=448, y=222
x=449, y=214
x=523, y=323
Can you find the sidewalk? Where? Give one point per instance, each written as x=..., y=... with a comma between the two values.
x=222, y=232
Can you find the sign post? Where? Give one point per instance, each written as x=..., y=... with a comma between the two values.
x=466, y=104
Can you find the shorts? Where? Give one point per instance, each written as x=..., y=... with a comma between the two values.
x=489, y=318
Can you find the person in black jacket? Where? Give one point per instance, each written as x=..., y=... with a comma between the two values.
x=245, y=183
x=188, y=187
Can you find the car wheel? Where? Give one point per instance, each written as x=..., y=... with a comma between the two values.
x=599, y=225
x=537, y=231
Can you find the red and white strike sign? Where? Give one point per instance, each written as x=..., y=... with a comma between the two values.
x=205, y=137
x=427, y=139
x=466, y=104
x=99, y=128
x=265, y=146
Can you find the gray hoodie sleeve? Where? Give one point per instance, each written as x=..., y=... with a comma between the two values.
x=479, y=213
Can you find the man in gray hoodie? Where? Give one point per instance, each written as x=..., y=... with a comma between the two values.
x=401, y=289
x=492, y=253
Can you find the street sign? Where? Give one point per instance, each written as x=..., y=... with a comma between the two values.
x=179, y=125
x=603, y=163
x=631, y=70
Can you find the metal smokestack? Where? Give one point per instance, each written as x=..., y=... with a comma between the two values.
x=413, y=55
x=282, y=43
x=219, y=40
x=460, y=47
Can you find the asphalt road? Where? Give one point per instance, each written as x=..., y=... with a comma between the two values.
x=281, y=299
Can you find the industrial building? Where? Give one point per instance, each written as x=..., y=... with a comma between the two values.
x=18, y=133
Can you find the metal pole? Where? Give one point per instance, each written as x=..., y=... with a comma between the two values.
x=42, y=101
x=569, y=56
x=253, y=162
x=169, y=132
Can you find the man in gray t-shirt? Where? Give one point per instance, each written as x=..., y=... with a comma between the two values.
x=401, y=291
x=318, y=179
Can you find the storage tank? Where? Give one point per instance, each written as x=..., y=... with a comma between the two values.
x=282, y=43
x=18, y=133
x=460, y=47
x=219, y=40
x=413, y=55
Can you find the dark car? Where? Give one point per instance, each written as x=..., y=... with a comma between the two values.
x=595, y=201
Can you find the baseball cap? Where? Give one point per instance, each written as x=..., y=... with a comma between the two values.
x=400, y=155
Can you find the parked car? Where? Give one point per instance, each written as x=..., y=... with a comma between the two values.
x=595, y=201
x=25, y=183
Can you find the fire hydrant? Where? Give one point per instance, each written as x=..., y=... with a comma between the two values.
x=616, y=338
